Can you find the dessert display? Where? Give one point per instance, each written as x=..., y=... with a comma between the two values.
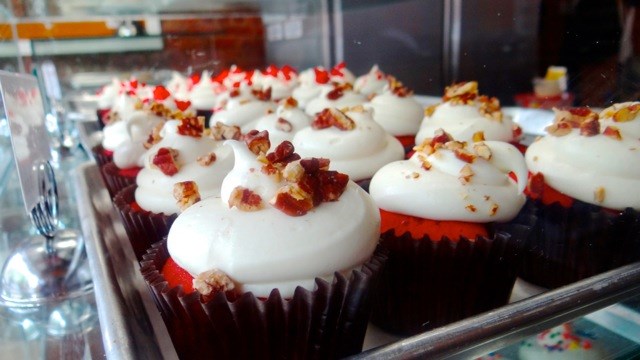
x=583, y=176
x=260, y=271
x=181, y=151
x=468, y=116
x=450, y=220
x=562, y=343
x=242, y=105
x=355, y=143
x=397, y=111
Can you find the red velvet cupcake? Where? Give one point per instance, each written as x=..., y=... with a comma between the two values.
x=451, y=222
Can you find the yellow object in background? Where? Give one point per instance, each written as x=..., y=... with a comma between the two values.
x=555, y=73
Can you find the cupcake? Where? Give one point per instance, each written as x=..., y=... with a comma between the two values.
x=450, y=220
x=398, y=112
x=281, y=81
x=284, y=123
x=371, y=83
x=584, y=173
x=313, y=80
x=241, y=105
x=336, y=96
x=106, y=96
x=182, y=152
x=260, y=271
x=561, y=343
x=355, y=143
x=468, y=116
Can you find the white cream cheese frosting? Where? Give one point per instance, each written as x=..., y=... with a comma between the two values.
x=397, y=110
x=602, y=168
x=371, y=83
x=281, y=81
x=267, y=249
x=108, y=94
x=239, y=107
x=155, y=188
x=203, y=94
x=464, y=113
x=440, y=183
x=622, y=116
x=313, y=80
x=132, y=134
x=283, y=124
x=358, y=152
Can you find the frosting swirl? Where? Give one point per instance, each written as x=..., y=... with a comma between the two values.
x=283, y=124
x=338, y=96
x=240, y=106
x=397, y=110
x=451, y=180
x=372, y=82
x=266, y=249
x=358, y=152
x=155, y=187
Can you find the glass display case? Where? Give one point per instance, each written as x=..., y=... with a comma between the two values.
x=77, y=47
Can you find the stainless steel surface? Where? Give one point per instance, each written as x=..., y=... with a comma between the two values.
x=130, y=323
x=493, y=330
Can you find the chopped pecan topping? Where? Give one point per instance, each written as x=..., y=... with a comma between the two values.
x=186, y=194
x=466, y=173
x=262, y=95
x=245, y=199
x=464, y=155
x=292, y=200
x=293, y=172
x=284, y=125
x=332, y=184
x=212, y=282
x=289, y=103
x=425, y=164
x=490, y=107
x=494, y=209
x=338, y=91
x=165, y=161
x=612, y=132
x=626, y=113
x=598, y=195
x=561, y=128
x=461, y=93
x=154, y=137
x=159, y=109
x=225, y=132
x=398, y=89
x=482, y=150
x=574, y=118
x=206, y=160
x=257, y=141
x=471, y=208
x=283, y=154
x=429, y=110
x=590, y=127
x=192, y=126
x=478, y=136
x=333, y=117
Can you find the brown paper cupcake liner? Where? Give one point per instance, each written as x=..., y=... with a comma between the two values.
x=426, y=284
x=143, y=228
x=100, y=156
x=570, y=244
x=326, y=323
x=114, y=180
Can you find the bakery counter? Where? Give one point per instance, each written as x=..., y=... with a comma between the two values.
x=605, y=305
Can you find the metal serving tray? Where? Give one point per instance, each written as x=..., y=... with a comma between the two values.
x=132, y=327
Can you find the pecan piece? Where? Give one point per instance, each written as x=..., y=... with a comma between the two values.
x=258, y=141
x=627, y=113
x=245, y=199
x=560, y=128
x=464, y=92
x=332, y=184
x=191, y=126
x=221, y=131
x=284, y=125
x=292, y=200
x=464, y=155
x=466, y=173
x=212, y=282
x=612, y=132
x=333, y=117
x=599, y=194
x=482, y=150
x=262, y=95
x=478, y=136
x=186, y=194
x=165, y=161
x=283, y=154
x=206, y=160
x=590, y=127
x=154, y=137
x=429, y=110
x=289, y=103
x=397, y=88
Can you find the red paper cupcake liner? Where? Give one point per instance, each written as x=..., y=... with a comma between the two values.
x=426, y=284
x=571, y=244
x=115, y=179
x=328, y=322
x=143, y=228
x=101, y=157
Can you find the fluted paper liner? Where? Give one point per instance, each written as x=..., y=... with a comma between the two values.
x=143, y=228
x=325, y=323
x=101, y=157
x=570, y=244
x=114, y=180
x=429, y=283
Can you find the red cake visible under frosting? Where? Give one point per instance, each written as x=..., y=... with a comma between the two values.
x=435, y=229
